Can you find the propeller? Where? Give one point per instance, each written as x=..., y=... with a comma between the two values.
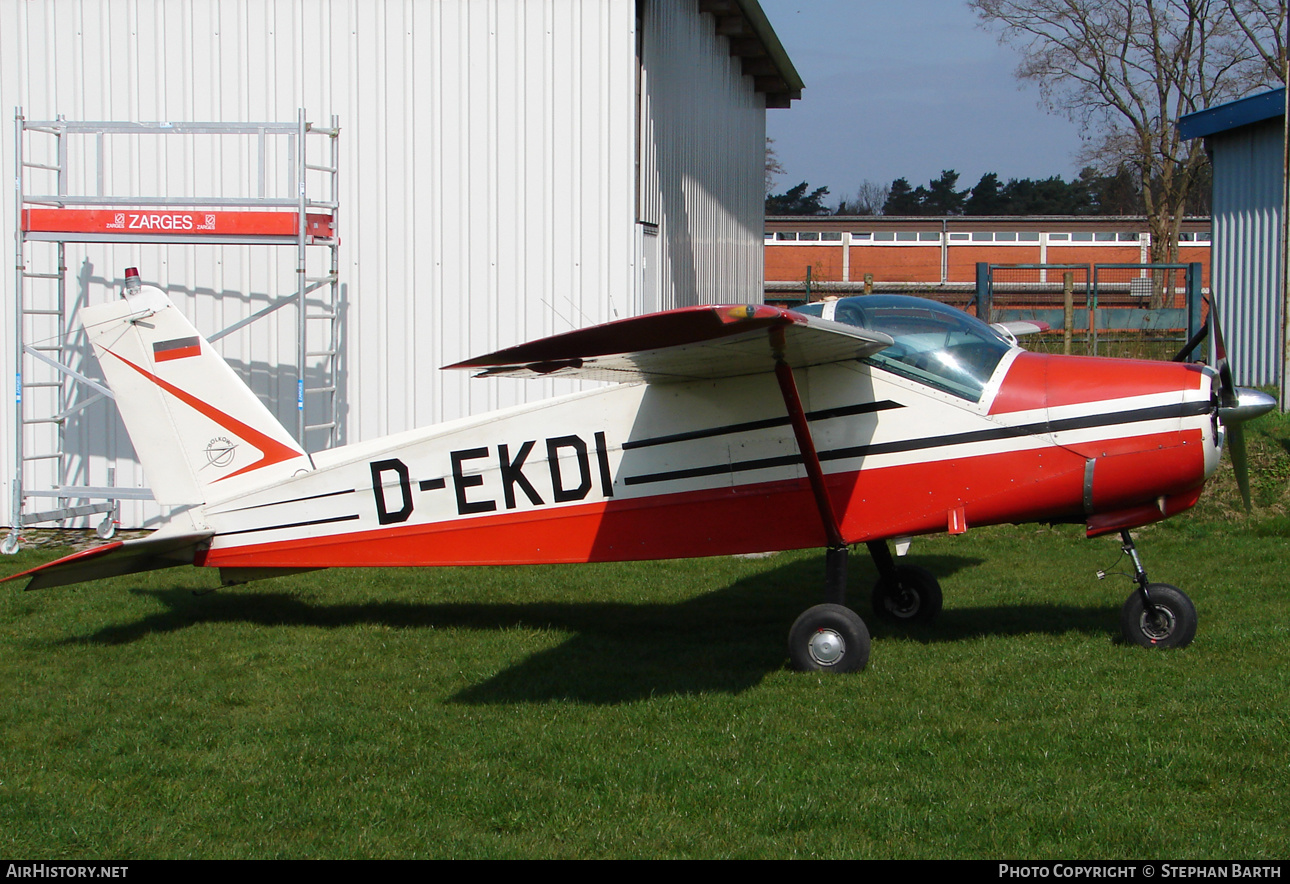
x=1236, y=405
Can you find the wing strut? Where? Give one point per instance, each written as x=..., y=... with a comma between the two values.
x=835, y=568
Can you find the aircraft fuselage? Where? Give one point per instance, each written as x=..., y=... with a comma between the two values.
x=708, y=467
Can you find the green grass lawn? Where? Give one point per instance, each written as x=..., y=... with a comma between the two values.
x=647, y=710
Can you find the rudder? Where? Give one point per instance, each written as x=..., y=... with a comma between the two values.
x=198, y=429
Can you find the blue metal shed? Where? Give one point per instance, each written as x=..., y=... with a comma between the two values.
x=1246, y=142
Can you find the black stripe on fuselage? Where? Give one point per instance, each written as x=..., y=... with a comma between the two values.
x=1160, y=412
x=256, y=506
x=823, y=414
x=283, y=527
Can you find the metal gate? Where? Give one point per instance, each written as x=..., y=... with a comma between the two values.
x=1131, y=310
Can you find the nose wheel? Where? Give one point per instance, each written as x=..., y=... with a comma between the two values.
x=1157, y=615
x=1170, y=621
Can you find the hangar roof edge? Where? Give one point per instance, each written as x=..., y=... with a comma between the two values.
x=1234, y=114
x=754, y=42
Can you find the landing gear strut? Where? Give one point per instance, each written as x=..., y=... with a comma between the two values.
x=830, y=637
x=1157, y=615
x=903, y=593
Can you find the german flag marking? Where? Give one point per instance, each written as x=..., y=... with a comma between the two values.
x=179, y=348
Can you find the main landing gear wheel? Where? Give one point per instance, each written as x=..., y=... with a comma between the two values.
x=910, y=594
x=829, y=638
x=1172, y=623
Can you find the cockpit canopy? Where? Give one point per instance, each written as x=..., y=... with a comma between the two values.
x=935, y=344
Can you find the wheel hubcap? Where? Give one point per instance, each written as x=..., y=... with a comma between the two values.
x=903, y=604
x=1158, y=625
x=826, y=647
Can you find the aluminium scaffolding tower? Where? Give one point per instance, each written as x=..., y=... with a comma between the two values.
x=45, y=378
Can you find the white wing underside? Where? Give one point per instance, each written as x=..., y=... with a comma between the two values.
x=806, y=342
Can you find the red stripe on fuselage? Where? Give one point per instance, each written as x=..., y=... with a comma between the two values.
x=1038, y=380
x=1043, y=484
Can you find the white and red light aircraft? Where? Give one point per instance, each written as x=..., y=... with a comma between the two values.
x=731, y=430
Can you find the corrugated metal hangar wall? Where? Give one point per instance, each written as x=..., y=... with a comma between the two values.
x=1246, y=140
x=1248, y=202
x=507, y=171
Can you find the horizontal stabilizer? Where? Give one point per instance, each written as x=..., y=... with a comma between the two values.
x=1012, y=329
x=1022, y=326
x=691, y=343
x=115, y=559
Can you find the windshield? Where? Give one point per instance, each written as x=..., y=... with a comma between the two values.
x=935, y=344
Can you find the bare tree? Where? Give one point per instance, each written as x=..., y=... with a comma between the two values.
x=1264, y=24
x=1128, y=69
x=773, y=167
x=868, y=200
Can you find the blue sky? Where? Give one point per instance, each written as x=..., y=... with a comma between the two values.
x=906, y=89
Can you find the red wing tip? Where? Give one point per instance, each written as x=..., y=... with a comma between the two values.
x=651, y=331
x=741, y=312
x=80, y=555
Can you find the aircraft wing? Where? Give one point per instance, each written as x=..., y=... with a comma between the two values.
x=115, y=559
x=691, y=343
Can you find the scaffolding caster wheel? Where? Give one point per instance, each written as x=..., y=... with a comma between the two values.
x=107, y=528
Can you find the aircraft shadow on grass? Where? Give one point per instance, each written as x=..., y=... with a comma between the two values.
x=725, y=641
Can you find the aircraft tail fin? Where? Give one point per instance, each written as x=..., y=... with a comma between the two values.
x=199, y=431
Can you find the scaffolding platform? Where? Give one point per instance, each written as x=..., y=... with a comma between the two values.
x=45, y=379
